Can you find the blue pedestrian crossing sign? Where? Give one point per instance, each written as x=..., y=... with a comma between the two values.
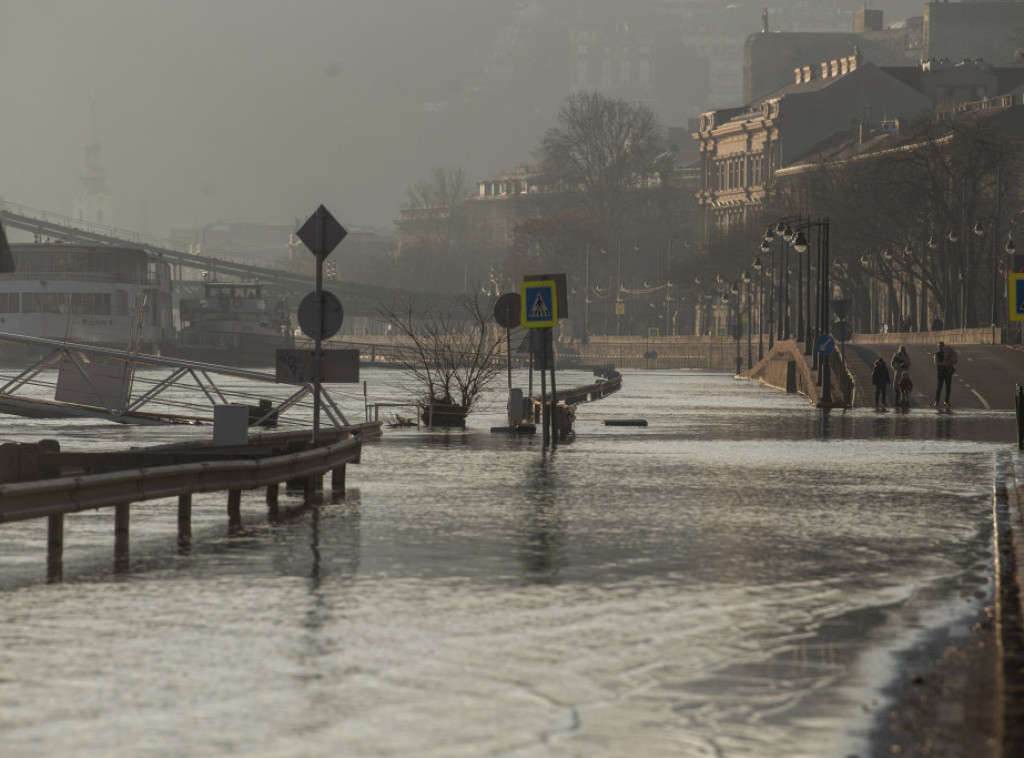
x=538, y=304
x=1016, y=298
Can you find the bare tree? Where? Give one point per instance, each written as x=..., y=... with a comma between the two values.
x=454, y=354
x=902, y=215
x=601, y=153
x=436, y=230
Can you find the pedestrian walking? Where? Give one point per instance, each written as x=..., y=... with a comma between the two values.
x=900, y=365
x=880, y=378
x=945, y=364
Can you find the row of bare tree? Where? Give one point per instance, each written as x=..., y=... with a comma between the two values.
x=919, y=227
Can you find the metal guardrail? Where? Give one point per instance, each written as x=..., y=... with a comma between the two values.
x=21, y=501
x=586, y=393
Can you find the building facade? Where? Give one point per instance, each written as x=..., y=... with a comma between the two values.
x=742, y=149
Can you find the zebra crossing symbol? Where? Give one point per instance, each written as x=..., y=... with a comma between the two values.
x=538, y=304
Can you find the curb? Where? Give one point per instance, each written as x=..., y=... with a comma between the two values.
x=1008, y=551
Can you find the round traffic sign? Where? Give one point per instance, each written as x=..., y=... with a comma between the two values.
x=331, y=315
x=825, y=344
x=842, y=331
x=506, y=310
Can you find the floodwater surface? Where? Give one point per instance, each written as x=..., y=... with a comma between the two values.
x=731, y=580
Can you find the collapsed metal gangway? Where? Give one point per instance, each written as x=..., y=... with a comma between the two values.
x=136, y=388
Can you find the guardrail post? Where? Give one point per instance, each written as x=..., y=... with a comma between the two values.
x=338, y=481
x=234, y=508
x=55, y=548
x=9, y=467
x=184, y=520
x=272, y=493
x=121, y=522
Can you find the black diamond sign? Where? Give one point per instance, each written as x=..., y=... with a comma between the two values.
x=321, y=233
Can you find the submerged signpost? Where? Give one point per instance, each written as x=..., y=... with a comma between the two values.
x=539, y=310
x=320, y=314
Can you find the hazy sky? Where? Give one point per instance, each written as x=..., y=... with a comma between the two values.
x=240, y=109
x=255, y=110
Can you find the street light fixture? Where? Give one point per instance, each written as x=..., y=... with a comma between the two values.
x=747, y=279
x=759, y=268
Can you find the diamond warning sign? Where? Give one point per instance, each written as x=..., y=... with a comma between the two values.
x=538, y=307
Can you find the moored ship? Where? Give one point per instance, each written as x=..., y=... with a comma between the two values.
x=233, y=324
x=100, y=295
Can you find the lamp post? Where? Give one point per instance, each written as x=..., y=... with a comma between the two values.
x=732, y=296
x=759, y=268
x=824, y=293
x=766, y=241
x=867, y=262
x=750, y=352
x=785, y=231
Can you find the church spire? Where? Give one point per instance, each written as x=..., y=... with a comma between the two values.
x=93, y=177
x=92, y=202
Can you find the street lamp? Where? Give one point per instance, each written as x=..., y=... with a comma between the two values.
x=784, y=230
x=759, y=268
x=766, y=242
x=824, y=292
x=750, y=352
x=732, y=295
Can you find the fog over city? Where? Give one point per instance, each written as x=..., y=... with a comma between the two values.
x=260, y=110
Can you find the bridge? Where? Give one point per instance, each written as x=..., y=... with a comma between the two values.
x=358, y=299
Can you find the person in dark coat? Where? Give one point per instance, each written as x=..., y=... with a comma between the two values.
x=880, y=378
x=945, y=365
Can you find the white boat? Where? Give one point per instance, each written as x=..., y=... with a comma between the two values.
x=102, y=295
x=232, y=324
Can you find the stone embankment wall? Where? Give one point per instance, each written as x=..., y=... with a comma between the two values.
x=690, y=351
x=786, y=368
x=978, y=336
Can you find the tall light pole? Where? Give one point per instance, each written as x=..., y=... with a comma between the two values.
x=801, y=245
x=759, y=268
x=766, y=242
x=750, y=353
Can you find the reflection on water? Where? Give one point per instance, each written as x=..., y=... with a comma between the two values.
x=726, y=581
x=542, y=525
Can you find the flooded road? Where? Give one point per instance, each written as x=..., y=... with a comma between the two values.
x=731, y=580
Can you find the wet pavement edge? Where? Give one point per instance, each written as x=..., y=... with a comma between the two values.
x=1008, y=522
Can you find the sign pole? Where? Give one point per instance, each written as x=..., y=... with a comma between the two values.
x=317, y=346
x=539, y=310
x=544, y=410
x=321, y=234
x=549, y=343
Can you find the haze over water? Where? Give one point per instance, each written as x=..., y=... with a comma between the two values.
x=728, y=581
